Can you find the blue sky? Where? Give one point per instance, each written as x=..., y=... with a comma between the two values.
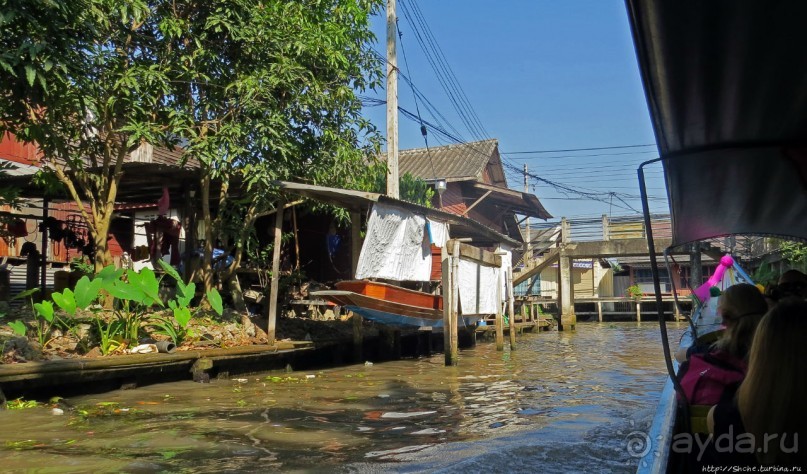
x=540, y=75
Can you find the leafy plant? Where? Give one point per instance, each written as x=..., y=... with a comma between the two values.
x=634, y=292
x=18, y=327
x=177, y=327
x=45, y=322
x=20, y=404
x=111, y=335
x=81, y=265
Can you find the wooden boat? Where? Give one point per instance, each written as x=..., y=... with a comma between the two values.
x=725, y=89
x=386, y=303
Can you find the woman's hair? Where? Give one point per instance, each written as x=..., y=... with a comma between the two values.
x=772, y=397
x=742, y=307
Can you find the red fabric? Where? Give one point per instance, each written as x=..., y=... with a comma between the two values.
x=164, y=203
x=707, y=375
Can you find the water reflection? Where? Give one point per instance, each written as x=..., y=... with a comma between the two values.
x=561, y=400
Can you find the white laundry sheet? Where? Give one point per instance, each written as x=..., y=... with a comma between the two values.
x=478, y=287
x=396, y=247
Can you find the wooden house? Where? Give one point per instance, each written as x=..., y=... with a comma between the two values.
x=476, y=185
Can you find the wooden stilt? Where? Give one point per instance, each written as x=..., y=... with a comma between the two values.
x=355, y=241
x=358, y=338
x=599, y=310
x=448, y=281
x=500, y=320
x=452, y=353
x=638, y=311
x=510, y=312
x=273, y=296
x=296, y=239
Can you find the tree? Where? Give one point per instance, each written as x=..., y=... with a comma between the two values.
x=265, y=91
x=80, y=80
x=254, y=91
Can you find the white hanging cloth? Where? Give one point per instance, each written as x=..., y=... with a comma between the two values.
x=396, y=247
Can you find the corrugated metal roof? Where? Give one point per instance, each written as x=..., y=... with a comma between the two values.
x=464, y=160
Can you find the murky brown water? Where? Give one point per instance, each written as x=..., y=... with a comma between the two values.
x=563, y=402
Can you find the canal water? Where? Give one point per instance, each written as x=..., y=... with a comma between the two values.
x=563, y=402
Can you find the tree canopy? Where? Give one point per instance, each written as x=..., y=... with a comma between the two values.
x=253, y=91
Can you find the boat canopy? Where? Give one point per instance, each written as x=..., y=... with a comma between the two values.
x=726, y=85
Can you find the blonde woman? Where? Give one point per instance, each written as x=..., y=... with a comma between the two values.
x=770, y=403
x=741, y=306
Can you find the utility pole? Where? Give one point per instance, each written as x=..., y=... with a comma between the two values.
x=527, y=220
x=392, y=104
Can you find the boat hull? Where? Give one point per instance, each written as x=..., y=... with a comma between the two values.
x=388, y=304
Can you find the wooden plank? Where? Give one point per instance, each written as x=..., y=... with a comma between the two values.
x=476, y=254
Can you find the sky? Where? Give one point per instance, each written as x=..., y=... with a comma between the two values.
x=538, y=75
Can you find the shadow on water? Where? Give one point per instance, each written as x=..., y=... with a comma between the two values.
x=563, y=401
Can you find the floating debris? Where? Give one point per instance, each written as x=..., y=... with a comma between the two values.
x=428, y=431
x=57, y=411
x=411, y=414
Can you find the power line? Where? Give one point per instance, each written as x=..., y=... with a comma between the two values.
x=579, y=149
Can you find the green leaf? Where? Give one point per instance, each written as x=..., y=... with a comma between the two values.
x=87, y=291
x=187, y=294
x=214, y=298
x=124, y=290
x=66, y=300
x=18, y=327
x=149, y=287
x=170, y=270
x=30, y=75
x=45, y=309
x=25, y=294
x=182, y=316
x=110, y=273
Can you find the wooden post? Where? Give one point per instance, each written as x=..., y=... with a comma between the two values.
x=568, y=320
x=524, y=310
x=638, y=311
x=44, y=275
x=296, y=239
x=358, y=338
x=500, y=319
x=453, y=351
x=448, y=281
x=355, y=241
x=392, y=103
x=273, y=296
x=510, y=312
x=599, y=310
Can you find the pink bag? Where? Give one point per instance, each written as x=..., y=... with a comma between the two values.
x=704, y=377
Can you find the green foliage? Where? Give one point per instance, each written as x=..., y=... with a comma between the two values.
x=81, y=265
x=18, y=327
x=634, y=292
x=765, y=274
x=412, y=189
x=795, y=253
x=21, y=404
x=214, y=298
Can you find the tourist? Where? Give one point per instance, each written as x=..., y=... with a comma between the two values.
x=741, y=306
x=769, y=404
